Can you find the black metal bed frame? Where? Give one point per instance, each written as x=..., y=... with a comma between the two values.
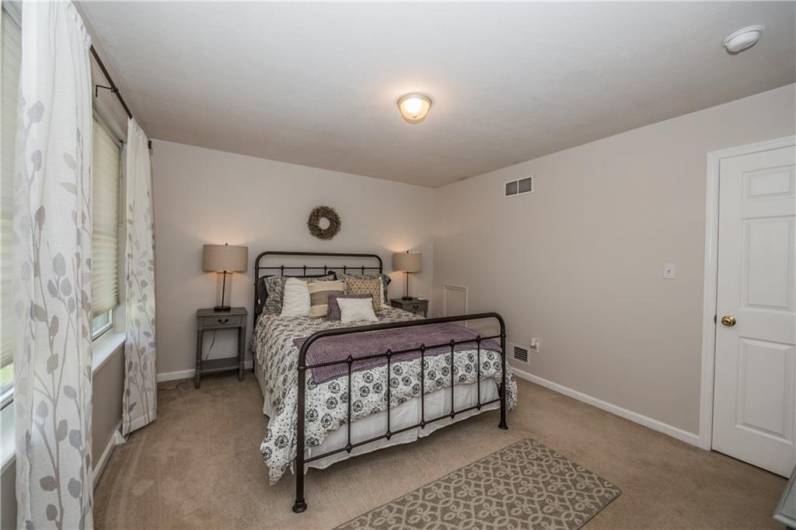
x=301, y=460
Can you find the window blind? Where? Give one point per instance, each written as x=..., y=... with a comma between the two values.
x=105, y=189
x=11, y=52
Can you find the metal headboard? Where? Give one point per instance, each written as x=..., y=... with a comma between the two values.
x=282, y=269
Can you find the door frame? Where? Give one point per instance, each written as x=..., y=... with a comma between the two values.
x=714, y=159
x=446, y=288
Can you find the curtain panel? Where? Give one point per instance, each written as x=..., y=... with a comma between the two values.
x=140, y=388
x=52, y=226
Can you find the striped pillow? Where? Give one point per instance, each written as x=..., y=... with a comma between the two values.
x=319, y=296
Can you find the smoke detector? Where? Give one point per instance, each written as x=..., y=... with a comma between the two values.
x=743, y=39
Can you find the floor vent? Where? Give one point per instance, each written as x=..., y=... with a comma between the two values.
x=519, y=187
x=520, y=354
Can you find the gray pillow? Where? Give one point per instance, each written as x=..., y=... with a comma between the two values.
x=334, y=307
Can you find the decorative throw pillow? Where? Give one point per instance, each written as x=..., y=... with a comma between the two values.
x=319, y=296
x=371, y=286
x=296, y=302
x=334, y=306
x=275, y=287
x=385, y=283
x=356, y=309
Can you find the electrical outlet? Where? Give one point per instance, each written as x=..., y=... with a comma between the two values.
x=536, y=344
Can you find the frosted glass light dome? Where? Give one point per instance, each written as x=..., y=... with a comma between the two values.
x=414, y=107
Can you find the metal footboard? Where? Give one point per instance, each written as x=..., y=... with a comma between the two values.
x=300, y=504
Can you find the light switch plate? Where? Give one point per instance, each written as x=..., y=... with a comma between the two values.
x=669, y=271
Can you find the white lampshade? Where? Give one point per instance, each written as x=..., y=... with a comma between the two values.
x=224, y=258
x=406, y=262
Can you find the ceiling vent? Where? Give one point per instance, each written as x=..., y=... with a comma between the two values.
x=520, y=354
x=519, y=187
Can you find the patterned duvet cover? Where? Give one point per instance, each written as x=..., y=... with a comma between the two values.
x=327, y=402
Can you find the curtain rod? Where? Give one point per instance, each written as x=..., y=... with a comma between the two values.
x=113, y=88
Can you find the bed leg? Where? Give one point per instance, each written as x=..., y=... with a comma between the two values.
x=300, y=505
x=503, y=425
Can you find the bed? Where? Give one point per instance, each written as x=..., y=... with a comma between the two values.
x=303, y=366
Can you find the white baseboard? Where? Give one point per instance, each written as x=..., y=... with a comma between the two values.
x=99, y=467
x=174, y=376
x=187, y=374
x=655, y=425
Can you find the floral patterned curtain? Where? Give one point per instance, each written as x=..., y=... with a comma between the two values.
x=52, y=225
x=140, y=389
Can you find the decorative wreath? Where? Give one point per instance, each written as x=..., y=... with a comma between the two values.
x=314, y=222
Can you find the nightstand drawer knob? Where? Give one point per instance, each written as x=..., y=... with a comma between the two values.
x=223, y=320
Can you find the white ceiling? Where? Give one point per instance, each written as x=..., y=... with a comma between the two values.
x=316, y=84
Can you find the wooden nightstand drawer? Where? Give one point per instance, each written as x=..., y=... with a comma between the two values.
x=414, y=308
x=227, y=321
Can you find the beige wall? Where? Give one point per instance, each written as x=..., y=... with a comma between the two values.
x=206, y=196
x=106, y=391
x=579, y=262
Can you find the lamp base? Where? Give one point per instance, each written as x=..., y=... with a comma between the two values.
x=222, y=309
x=407, y=298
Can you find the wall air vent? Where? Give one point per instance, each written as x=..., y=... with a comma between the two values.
x=520, y=354
x=519, y=187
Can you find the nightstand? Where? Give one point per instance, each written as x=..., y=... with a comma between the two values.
x=209, y=320
x=413, y=305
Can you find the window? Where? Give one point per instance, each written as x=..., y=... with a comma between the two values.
x=8, y=93
x=106, y=176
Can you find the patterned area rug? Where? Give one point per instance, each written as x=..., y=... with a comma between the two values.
x=524, y=485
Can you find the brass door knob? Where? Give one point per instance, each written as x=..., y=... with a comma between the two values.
x=728, y=320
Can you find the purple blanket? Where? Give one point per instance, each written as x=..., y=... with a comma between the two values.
x=364, y=344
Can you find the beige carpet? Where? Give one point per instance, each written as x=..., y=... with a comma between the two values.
x=198, y=467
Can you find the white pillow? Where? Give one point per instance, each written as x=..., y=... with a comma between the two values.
x=296, y=299
x=356, y=309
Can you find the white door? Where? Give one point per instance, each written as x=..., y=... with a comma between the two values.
x=754, y=404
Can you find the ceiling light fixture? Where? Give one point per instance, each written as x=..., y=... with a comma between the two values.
x=743, y=39
x=414, y=107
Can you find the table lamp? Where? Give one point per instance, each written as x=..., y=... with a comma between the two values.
x=224, y=259
x=406, y=262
